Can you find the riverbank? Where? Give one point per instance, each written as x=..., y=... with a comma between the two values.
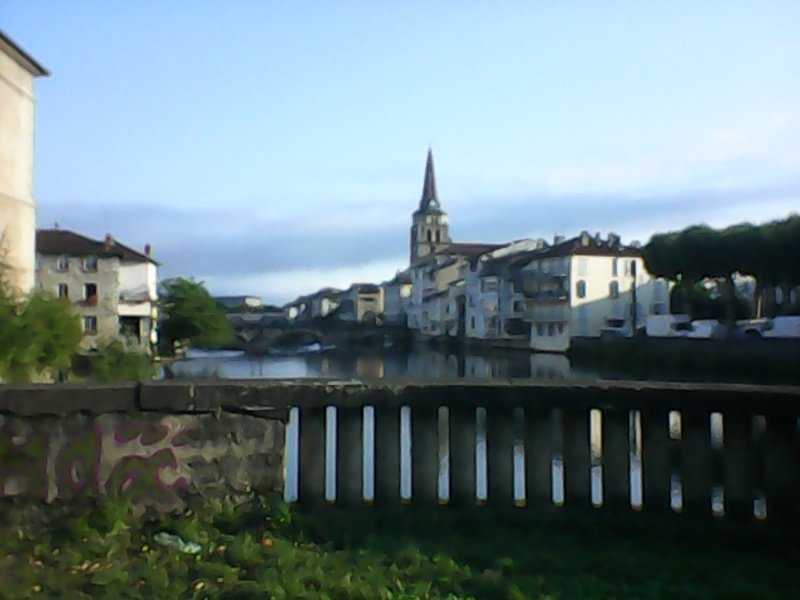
x=763, y=361
x=217, y=550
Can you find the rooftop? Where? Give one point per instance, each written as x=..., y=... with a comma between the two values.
x=24, y=59
x=56, y=242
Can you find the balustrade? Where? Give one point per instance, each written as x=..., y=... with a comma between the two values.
x=691, y=450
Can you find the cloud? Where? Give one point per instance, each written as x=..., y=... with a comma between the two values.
x=251, y=251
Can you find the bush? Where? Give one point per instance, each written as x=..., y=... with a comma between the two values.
x=113, y=361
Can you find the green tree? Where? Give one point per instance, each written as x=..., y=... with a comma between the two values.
x=192, y=315
x=39, y=334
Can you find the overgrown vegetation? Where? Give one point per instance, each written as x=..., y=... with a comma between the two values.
x=192, y=316
x=767, y=252
x=256, y=552
x=39, y=333
x=113, y=361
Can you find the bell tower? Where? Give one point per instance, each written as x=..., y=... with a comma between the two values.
x=429, y=228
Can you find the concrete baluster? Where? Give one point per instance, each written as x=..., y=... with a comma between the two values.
x=577, y=459
x=350, y=456
x=696, y=459
x=616, y=460
x=500, y=430
x=539, y=445
x=387, y=455
x=425, y=455
x=463, y=431
x=739, y=461
x=782, y=471
x=311, y=463
x=656, y=467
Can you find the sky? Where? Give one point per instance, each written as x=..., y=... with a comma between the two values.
x=273, y=148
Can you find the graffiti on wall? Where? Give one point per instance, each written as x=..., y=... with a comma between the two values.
x=144, y=460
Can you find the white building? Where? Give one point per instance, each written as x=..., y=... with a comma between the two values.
x=324, y=302
x=579, y=287
x=397, y=298
x=18, y=70
x=111, y=286
x=361, y=303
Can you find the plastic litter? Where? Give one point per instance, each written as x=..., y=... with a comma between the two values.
x=176, y=541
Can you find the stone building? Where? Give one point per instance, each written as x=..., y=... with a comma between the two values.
x=429, y=228
x=112, y=287
x=17, y=208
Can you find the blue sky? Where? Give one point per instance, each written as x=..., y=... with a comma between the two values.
x=272, y=148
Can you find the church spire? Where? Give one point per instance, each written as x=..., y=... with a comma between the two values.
x=429, y=200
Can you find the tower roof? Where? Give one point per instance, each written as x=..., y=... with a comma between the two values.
x=430, y=199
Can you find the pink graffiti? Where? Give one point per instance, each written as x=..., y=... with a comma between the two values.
x=140, y=474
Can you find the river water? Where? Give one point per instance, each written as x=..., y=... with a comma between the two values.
x=420, y=363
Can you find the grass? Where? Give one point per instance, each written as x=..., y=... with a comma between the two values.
x=252, y=551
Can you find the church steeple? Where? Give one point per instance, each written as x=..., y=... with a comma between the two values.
x=430, y=199
x=429, y=229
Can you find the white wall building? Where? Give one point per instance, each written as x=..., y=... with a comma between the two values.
x=112, y=287
x=17, y=208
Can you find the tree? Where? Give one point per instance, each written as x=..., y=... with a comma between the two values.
x=192, y=315
x=39, y=334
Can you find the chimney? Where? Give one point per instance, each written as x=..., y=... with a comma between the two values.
x=148, y=250
x=109, y=239
x=558, y=239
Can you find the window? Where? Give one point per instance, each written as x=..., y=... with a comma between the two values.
x=90, y=293
x=488, y=285
x=540, y=329
x=90, y=324
x=63, y=263
x=551, y=329
x=63, y=290
x=430, y=235
x=438, y=235
x=614, y=267
x=90, y=263
x=518, y=306
x=580, y=289
x=560, y=328
x=613, y=289
x=472, y=322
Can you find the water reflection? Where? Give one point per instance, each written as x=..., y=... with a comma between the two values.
x=424, y=363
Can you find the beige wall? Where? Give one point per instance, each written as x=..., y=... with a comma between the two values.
x=17, y=209
x=107, y=280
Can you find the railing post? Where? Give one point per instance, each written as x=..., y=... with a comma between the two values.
x=577, y=459
x=782, y=468
x=500, y=433
x=425, y=455
x=656, y=464
x=350, y=456
x=463, y=439
x=311, y=463
x=739, y=460
x=387, y=455
x=539, y=445
x=616, y=460
x=696, y=476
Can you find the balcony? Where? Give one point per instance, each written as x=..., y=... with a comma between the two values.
x=547, y=296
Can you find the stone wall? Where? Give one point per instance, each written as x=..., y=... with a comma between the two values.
x=62, y=442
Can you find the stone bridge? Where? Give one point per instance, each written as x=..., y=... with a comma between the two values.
x=326, y=332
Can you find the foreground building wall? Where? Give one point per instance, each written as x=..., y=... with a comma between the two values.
x=102, y=443
x=17, y=207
